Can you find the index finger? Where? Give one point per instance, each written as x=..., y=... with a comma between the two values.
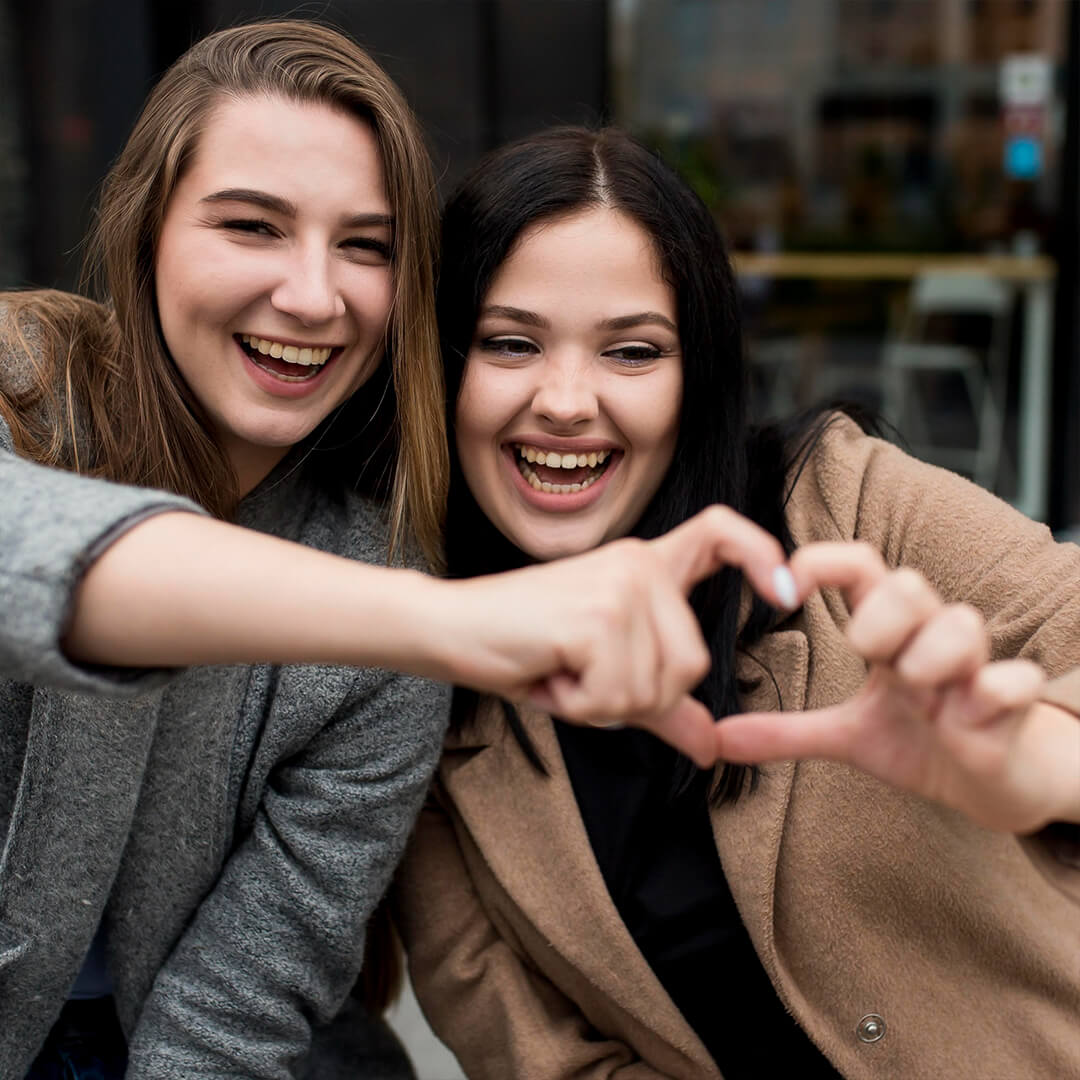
x=719, y=537
x=852, y=566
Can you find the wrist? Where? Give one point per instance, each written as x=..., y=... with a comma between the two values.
x=413, y=626
x=460, y=634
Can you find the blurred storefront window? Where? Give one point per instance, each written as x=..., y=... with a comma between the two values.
x=821, y=125
x=850, y=148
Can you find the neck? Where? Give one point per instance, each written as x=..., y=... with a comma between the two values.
x=252, y=464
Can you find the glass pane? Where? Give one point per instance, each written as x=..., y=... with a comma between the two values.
x=848, y=148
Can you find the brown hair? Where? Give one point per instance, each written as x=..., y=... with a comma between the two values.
x=139, y=422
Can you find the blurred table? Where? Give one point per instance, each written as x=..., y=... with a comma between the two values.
x=1032, y=275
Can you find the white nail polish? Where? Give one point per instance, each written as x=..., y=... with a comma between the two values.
x=784, y=585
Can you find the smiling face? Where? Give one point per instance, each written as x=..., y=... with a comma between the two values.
x=569, y=408
x=273, y=274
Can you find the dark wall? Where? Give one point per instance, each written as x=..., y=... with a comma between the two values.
x=84, y=69
x=476, y=71
x=14, y=176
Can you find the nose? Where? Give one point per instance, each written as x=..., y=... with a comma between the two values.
x=307, y=288
x=564, y=395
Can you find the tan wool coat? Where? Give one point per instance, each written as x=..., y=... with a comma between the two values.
x=909, y=943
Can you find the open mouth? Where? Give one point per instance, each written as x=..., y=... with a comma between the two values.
x=291, y=363
x=561, y=473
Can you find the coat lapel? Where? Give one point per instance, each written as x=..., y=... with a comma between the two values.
x=748, y=832
x=531, y=834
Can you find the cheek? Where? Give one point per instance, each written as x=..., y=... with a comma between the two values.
x=655, y=435
x=651, y=417
x=481, y=415
x=480, y=412
x=668, y=412
x=669, y=432
x=189, y=296
x=166, y=278
x=369, y=293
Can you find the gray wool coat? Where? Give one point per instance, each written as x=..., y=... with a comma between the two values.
x=232, y=827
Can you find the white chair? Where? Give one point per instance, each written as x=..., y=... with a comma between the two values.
x=984, y=371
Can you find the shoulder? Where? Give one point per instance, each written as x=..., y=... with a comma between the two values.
x=851, y=485
x=827, y=480
x=357, y=525
x=343, y=522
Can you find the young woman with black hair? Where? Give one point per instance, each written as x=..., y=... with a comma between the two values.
x=898, y=901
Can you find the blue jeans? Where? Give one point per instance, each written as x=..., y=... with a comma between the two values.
x=86, y=1043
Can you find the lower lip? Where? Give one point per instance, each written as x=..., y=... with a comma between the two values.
x=556, y=502
x=271, y=384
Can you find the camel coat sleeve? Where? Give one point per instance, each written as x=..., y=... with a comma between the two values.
x=468, y=963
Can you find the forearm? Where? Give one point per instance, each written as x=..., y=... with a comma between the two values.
x=607, y=635
x=182, y=589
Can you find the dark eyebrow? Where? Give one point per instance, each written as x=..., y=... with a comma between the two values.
x=643, y=318
x=530, y=318
x=277, y=205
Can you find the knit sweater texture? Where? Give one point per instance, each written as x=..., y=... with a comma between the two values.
x=231, y=827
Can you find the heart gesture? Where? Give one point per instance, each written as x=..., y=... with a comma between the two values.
x=935, y=716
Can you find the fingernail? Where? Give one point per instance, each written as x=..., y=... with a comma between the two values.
x=784, y=587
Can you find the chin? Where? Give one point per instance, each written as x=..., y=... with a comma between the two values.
x=278, y=435
x=547, y=550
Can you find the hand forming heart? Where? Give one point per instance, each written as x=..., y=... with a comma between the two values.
x=935, y=716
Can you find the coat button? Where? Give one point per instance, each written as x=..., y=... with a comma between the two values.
x=870, y=1028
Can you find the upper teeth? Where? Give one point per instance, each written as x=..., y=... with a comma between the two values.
x=563, y=461
x=291, y=353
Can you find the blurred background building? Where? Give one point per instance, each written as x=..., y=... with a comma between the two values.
x=851, y=149
x=898, y=179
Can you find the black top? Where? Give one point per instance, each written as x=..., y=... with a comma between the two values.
x=656, y=851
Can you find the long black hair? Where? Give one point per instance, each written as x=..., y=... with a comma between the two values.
x=718, y=457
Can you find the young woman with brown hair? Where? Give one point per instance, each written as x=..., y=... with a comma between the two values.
x=191, y=857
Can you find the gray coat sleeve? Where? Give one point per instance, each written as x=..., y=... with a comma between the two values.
x=277, y=944
x=53, y=524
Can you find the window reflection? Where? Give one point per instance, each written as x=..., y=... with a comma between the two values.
x=849, y=148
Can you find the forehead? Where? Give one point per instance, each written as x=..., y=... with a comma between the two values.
x=304, y=151
x=598, y=253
